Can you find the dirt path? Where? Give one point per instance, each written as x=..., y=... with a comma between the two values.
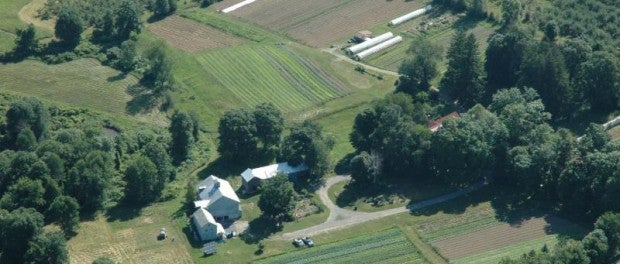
x=334, y=52
x=340, y=217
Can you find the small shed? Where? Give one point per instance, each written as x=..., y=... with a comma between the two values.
x=362, y=35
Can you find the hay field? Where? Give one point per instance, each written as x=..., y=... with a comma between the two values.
x=84, y=83
x=191, y=36
x=322, y=22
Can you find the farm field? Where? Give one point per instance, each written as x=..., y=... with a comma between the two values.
x=256, y=74
x=324, y=22
x=390, y=246
x=7, y=41
x=615, y=133
x=477, y=233
x=191, y=36
x=84, y=83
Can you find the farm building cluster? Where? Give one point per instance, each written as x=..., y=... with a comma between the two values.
x=218, y=203
x=370, y=46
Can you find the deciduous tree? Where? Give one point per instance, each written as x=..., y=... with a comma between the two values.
x=277, y=197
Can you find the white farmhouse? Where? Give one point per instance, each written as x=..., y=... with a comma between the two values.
x=206, y=227
x=253, y=177
x=218, y=197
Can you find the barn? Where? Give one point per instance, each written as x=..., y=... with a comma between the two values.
x=252, y=178
x=205, y=225
x=219, y=198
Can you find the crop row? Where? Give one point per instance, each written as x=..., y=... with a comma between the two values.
x=369, y=249
x=267, y=74
x=460, y=229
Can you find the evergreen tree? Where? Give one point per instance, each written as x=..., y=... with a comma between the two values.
x=26, y=42
x=69, y=26
x=181, y=127
x=464, y=78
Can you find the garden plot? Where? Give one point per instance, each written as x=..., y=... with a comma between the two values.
x=390, y=246
x=256, y=74
x=192, y=36
x=323, y=22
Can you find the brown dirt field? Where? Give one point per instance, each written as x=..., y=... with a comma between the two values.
x=501, y=236
x=322, y=22
x=191, y=36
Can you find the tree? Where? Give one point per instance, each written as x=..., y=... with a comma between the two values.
x=269, y=125
x=127, y=19
x=156, y=152
x=69, y=26
x=26, y=42
x=277, y=197
x=417, y=72
x=503, y=59
x=306, y=145
x=543, y=69
x=477, y=9
x=596, y=246
x=521, y=111
x=464, y=78
x=127, y=60
x=17, y=229
x=105, y=30
x=143, y=184
x=610, y=224
x=48, y=248
x=163, y=8
x=24, y=193
x=511, y=12
x=158, y=77
x=571, y=252
x=599, y=81
x=181, y=127
x=576, y=52
x=466, y=149
x=551, y=30
x=89, y=179
x=25, y=140
x=365, y=168
x=237, y=129
x=64, y=210
x=28, y=112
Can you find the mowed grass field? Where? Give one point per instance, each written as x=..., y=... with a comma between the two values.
x=84, y=83
x=390, y=246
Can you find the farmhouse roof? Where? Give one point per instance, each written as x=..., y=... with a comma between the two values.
x=203, y=218
x=267, y=172
x=212, y=189
x=435, y=125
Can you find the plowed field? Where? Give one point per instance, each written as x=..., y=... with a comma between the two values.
x=322, y=22
x=189, y=35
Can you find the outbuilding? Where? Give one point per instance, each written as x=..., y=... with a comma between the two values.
x=205, y=225
x=252, y=178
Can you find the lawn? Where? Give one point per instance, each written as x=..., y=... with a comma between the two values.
x=390, y=246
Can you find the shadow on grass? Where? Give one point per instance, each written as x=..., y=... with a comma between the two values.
x=142, y=100
x=261, y=228
x=191, y=237
x=118, y=77
x=122, y=212
x=342, y=167
x=221, y=168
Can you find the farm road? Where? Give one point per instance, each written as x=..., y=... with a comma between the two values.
x=333, y=51
x=340, y=217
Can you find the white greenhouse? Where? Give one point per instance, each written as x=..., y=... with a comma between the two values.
x=388, y=43
x=369, y=43
x=410, y=16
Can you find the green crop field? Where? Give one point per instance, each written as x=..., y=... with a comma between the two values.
x=391, y=246
x=512, y=251
x=84, y=83
x=256, y=74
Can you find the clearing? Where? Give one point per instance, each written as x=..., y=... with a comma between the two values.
x=84, y=83
x=390, y=246
x=191, y=36
x=322, y=22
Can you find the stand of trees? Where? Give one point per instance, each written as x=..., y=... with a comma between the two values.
x=54, y=171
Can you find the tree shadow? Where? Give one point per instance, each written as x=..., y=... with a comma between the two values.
x=342, y=166
x=118, y=77
x=261, y=228
x=222, y=168
x=142, y=100
x=191, y=236
x=457, y=206
x=122, y=212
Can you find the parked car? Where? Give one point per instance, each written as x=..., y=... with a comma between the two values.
x=298, y=242
x=308, y=241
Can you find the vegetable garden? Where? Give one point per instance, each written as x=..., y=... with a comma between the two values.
x=390, y=246
x=189, y=35
x=255, y=74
